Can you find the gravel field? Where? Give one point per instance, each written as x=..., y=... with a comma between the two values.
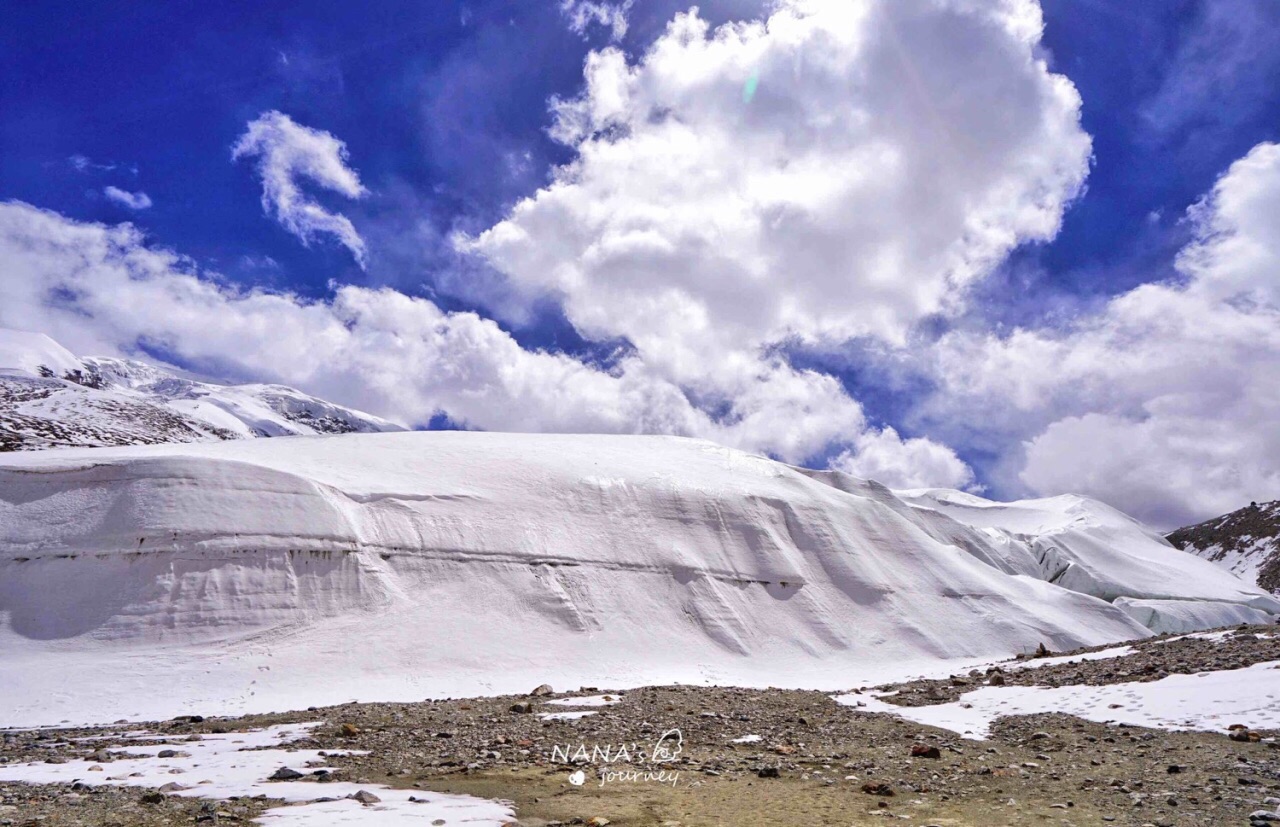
x=741, y=757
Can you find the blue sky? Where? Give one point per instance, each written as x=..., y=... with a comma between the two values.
x=443, y=108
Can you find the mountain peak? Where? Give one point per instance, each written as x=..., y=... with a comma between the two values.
x=51, y=398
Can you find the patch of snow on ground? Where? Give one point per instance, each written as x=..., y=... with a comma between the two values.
x=747, y=739
x=589, y=700
x=1204, y=701
x=219, y=767
x=1219, y=635
x=1105, y=654
x=565, y=716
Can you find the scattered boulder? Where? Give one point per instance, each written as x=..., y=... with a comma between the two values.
x=1244, y=735
x=523, y=707
x=541, y=691
x=365, y=797
x=877, y=788
x=285, y=774
x=923, y=751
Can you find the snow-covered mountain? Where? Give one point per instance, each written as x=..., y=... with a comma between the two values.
x=50, y=398
x=1247, y=542
x=268, y=574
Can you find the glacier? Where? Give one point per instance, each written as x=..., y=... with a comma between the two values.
x=254, y=575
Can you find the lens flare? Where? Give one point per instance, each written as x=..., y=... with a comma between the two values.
x=749, y=88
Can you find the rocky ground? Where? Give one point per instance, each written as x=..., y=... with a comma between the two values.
x=1151, y=660
x=815, y=762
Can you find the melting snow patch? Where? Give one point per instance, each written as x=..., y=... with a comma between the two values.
x=1105, y=654
x=565, y=716
x=1205, y=701
x=1219, y=635
x=589, y=700
x=238, y=764
x=747, y=739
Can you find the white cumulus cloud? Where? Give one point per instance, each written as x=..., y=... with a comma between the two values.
x=1164, y=403
x=132, y=200
x=890, y=154
x=288, y=153
x=101, y=289
x=842, y=168
x=888, y=459
x=893, y=151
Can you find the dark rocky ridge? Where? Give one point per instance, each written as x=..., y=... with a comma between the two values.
x=1249, y=536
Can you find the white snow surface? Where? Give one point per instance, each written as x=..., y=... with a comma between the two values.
x=27, y=352
x=587, y=701
x=239, y=763
x=566, y=716
x=1203, y=701
x=1036, y=663
x=248, y=576
x=1088, y=547
x=1244, y=562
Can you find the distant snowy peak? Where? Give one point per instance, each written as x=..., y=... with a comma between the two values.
x=251, y=410
x=50, y=398
x=1247, y=542
x=34, y=353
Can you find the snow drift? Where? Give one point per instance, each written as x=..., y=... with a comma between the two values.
x=252, y=575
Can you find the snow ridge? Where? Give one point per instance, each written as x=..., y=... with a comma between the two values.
x=50, y=398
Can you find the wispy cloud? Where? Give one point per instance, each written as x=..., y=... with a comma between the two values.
x=582, y=14
x=1162, y=402
x=1222, y=74
x=132, y=200
x=85, y=164
x=288, y=152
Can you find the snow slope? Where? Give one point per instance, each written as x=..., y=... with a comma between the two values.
x=50, y=398
x=1088, y=547
x=28, y=352
x=266, y=574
